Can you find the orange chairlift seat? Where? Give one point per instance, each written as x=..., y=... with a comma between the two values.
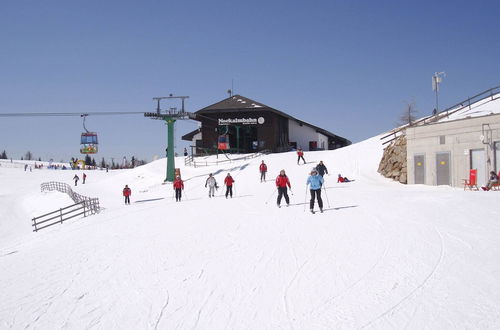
x=471, y=183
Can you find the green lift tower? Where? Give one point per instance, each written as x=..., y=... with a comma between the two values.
x=170, y=117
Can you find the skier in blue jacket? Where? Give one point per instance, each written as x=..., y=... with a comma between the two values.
x=315, y=183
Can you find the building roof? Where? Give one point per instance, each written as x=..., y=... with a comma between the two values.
x=235, y=102
x=240, y=103
x=189, y=136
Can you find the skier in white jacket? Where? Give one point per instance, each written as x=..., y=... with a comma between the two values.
x=212, y=185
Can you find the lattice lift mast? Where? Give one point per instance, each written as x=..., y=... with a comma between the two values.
x=170, y=117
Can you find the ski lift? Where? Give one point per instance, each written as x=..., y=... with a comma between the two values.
x=88, y=140
x=223, y=142
x=223, y=138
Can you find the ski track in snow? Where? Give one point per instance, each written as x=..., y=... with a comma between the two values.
x=378, y=261
x=419, y=287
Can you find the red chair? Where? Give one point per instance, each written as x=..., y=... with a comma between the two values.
x=472, y=182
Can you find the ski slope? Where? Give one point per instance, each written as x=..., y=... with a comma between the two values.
x=382, y=255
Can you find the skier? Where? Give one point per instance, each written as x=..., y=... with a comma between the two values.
x=281, y=183
x=263, y=170
x=212, y=185
x=228, y=181
x=321, y=168
x=84, y=177
x=76, y=178
x=315, y=182
x=341, y=179
x=300, y=154
x=178, y=187
x=127, y=192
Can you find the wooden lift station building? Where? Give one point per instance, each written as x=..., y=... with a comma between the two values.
x=240, y=125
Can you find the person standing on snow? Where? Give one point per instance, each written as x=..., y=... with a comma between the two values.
x=127, y=192
x=321, y=168
x=315, y=182
x=84, y=177
x=76, y=178
x=281, y=183
x=300, y=154
x=228, y=181
x=263, y=170
x=178, y=187
x=212, y=185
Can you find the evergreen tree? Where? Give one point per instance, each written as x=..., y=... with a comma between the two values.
x=39, y=159
x=133, y=162
x=88, y=160
x=103, y=163
x=28, y=156
x=93, y=162
x=3, y=155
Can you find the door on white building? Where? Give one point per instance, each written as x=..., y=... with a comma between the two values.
x=477, y=161
x=497, y=157
x=443, y=168
x=419, y=168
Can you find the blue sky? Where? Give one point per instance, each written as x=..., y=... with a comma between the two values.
x=347, y=66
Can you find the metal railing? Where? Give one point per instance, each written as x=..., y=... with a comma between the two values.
x=491, y=94
x=188, y=160
x=200, y=163
x=83, y=206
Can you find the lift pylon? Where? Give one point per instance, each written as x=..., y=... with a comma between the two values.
x=170, y=117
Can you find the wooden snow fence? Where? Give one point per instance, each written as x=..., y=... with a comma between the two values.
x=83, y=206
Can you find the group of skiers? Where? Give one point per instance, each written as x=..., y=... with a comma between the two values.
x=76, y=178
x=315, y=182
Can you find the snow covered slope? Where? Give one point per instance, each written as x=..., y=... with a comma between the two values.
x=382, y=255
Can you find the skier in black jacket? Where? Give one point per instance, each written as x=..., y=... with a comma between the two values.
x=321, y=168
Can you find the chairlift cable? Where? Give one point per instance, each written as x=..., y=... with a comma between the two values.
x=51, y=114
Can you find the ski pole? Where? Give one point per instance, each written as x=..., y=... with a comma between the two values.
x=305, y=199
x=271, y=196
x=326, y=197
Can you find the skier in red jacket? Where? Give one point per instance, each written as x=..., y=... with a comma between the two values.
x=300, y=154
x=127, y=192
x=263, y=170
x=281, y=183
x=228, y=181
x=178, y=187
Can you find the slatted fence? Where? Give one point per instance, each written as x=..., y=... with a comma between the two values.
x=83, y=206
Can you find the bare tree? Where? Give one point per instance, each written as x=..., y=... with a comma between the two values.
x=408, y=115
